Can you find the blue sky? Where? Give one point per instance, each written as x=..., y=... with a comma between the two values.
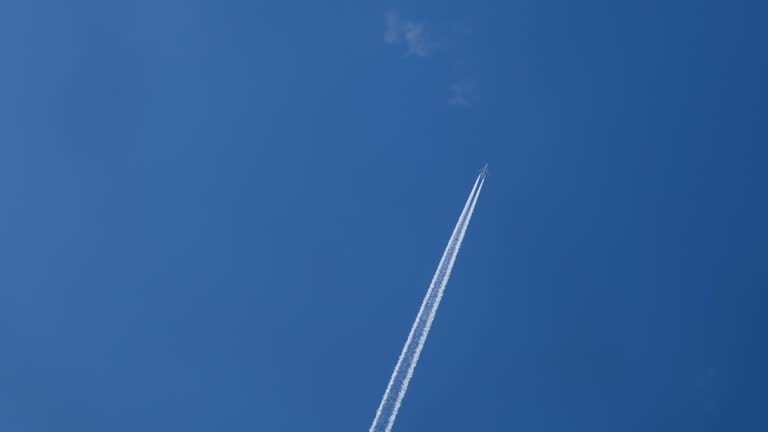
x=224, y=215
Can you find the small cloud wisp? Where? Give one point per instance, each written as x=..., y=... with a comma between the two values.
x=461, y=93
x=413, y=35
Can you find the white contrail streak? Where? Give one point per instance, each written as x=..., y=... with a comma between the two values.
x=401, y=376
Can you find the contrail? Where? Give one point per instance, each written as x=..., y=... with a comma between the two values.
x=401, y=376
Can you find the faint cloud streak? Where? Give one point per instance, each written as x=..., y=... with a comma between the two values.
x=421, y=39
x=461, y=93
x=413, y=35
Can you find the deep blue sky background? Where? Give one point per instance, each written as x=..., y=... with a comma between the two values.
x=223, y=215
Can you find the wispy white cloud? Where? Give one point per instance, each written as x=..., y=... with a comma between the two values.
x=415, y=36
x=461, y=93
x=422, y=39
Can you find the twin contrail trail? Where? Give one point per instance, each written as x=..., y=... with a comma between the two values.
x=401, y=376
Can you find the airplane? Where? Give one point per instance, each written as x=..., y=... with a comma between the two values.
x=484, y=170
